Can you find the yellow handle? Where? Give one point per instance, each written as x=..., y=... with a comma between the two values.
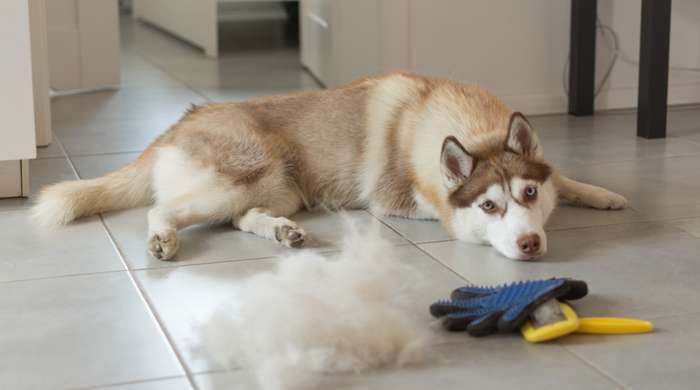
x=611, y=325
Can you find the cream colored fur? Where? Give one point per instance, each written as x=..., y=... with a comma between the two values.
x=128, y=187
x=313, y=316
x=374, y=143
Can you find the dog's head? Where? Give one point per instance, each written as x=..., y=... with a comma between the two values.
x=502, y=196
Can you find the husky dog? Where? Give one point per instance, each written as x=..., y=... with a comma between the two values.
x=400, y=144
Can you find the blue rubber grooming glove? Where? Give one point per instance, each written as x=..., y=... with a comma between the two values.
x=484, y=310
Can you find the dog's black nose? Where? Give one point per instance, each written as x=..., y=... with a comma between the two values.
x=529, y=244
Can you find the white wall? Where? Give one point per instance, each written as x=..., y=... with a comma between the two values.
x=515, y=48
x=624, y=17
x=519, y=48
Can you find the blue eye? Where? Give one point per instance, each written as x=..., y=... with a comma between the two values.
x=487, y=206
x=530, y=191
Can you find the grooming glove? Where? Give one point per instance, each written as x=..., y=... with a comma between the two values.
x=484, y=310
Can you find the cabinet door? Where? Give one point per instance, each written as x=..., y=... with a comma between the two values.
x=316, y=38
x=83, y=42
x=341, y=40
x=17, y=134
x=63, y=44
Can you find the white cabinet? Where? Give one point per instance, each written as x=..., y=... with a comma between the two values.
x=17, y=138
x=14, y=178
x=340, y=40
x=316, y=43
x=17, y=133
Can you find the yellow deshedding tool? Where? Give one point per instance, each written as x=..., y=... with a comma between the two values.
x=554, y=319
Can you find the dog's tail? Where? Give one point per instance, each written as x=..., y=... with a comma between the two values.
x=127, y=187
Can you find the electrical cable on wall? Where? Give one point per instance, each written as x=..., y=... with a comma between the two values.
x=614, y=45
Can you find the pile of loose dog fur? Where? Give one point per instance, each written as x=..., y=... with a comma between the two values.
x=316, y=315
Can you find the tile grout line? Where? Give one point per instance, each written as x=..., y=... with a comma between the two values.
x=673, y=315
x=65, y=154
x=684, y=138
x=173, y=77
x=217, y=371
x=661, y=221
x=442, y=264
x=434, y=241
x=142, y=294
x=595, y=368
x=50, y=158
x=150, y=306
x=5, y=282
x=638, y=160
x=213, y=262
x=418, y=247
x=127, y=383
x=100, y=154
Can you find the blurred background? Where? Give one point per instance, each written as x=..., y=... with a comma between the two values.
x=219, y=50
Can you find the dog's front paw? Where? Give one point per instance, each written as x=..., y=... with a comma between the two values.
x=608, y=200
x=163, y=245
x=290, y=235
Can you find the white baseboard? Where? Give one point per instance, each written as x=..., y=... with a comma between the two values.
x=610, y=99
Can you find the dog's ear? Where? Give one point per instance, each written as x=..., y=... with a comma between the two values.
x=522, y=138
x=456, y=163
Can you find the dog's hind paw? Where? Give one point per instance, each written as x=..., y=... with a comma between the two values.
x=290, y=235
x=163, y=245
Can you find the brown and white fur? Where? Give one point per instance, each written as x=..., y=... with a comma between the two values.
x=399, y=145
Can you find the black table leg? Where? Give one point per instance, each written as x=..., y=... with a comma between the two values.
x=653, y=68
x=582, y=56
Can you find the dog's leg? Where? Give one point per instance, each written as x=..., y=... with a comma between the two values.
x=588, y=195
x=266, y=223
x=165, y=219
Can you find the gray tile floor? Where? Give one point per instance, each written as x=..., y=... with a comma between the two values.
x=85, y=307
